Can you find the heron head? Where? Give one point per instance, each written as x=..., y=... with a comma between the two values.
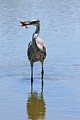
x=34, y=22
x=31, y=22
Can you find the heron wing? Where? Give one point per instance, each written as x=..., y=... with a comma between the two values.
x=40, y=43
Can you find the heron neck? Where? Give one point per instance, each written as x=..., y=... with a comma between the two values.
x=36, y=33
x=37, y=29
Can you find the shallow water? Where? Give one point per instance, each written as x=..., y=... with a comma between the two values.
x=59, y=97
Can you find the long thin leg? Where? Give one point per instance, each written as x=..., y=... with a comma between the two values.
x=31, y=72
x=31, y=86
x=42, y=71
x=42, y=84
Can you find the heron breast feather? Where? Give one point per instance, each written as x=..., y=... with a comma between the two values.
x=39, y=43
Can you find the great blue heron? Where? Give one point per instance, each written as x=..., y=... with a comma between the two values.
x=36, y=48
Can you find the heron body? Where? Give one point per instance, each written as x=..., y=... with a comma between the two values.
x=36, y=51
x=36, y=48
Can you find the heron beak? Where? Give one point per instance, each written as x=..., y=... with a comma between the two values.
x=27, y=23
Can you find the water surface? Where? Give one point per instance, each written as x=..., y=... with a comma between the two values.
x=59, y=98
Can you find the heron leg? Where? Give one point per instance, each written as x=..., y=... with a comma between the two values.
x=42, y=84
x=42, y=71
x=31, y=86
x=31, y=73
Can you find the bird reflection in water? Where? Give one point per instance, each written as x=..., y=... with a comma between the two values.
x=36, y=108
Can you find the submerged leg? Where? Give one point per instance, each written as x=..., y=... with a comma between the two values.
x=31, y=72
x=31, y=86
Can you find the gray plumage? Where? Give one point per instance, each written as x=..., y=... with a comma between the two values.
x=36, y=48
x=36, y=51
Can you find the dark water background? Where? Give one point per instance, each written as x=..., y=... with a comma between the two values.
x=60, y=29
